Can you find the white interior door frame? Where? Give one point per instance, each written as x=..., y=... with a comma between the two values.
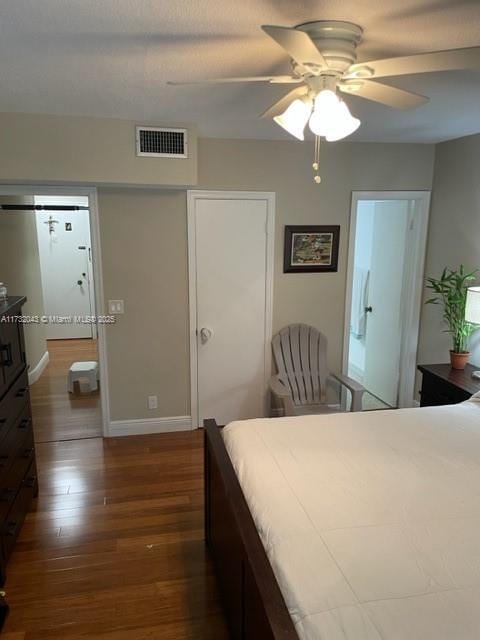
x=91, y=193
x=412, y=305
x=192, y=197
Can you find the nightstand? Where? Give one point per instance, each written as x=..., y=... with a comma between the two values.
x=443, y=385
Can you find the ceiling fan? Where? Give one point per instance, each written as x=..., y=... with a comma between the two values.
x=323, y=58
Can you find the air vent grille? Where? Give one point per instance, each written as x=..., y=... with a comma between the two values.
x=161, y=142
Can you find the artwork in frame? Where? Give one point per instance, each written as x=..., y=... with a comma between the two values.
x=311, y=249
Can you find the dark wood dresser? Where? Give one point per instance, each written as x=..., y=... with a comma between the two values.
x=18, y=474
x=443, y=385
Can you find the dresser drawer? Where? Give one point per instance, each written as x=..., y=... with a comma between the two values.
x=13, y=446
x=18, y=510
x=440, y=392
x=13, y=403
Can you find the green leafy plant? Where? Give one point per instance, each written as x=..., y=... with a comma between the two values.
x=451, y=292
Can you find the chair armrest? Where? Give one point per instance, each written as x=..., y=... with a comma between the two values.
x=354, y=387
x=278, y=387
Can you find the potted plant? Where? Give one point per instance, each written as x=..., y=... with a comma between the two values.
x=451, y=292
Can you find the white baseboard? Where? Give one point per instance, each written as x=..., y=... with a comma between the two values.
x=149, y=425
x=35, y=373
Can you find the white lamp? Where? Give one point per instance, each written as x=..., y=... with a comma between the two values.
x=295, y=117
x=344, y=126
x=331, y=117
x=472, y=312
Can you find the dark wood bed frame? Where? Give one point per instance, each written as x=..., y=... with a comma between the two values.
x=252, y=599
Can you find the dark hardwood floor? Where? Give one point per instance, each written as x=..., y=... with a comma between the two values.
x=57, y=414
x=114, y=548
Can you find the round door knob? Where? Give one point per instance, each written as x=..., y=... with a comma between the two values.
x=79, y=281
x=368, y=309
x=205, y=334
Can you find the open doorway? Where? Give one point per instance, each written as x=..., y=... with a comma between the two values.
x=384, y=284
x=47, y=255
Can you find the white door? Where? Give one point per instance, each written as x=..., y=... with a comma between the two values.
x=65, y=261
x=231, y=278
x=383, y=336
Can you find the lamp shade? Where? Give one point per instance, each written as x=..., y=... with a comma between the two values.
x=295, y=117
x=472, y=308
x=331, y=117
x=344, y=125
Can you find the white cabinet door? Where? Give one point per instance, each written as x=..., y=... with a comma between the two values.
x=231, y=303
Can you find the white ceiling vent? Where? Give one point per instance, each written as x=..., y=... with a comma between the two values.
x=161, y=142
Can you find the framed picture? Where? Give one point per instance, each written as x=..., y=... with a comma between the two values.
x=311, y=249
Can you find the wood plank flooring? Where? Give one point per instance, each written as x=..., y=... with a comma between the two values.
x=114, y=548
x=57, y=414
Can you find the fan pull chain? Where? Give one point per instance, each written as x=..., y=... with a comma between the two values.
x=316, y=161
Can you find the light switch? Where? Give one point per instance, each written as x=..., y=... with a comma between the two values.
x=115, y=307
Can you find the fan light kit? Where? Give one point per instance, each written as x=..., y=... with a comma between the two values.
x=324, y=62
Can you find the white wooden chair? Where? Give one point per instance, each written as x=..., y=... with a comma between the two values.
x=300, y=354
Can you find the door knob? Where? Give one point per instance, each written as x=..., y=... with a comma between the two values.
x=205, y=334
x=368, y=309
x=79, y=281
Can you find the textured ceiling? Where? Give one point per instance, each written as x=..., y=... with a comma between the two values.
x=111, y=58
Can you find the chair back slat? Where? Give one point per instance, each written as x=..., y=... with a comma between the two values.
x=297, y=362
x=300, y=354
x=283, y=360
x=305, y=362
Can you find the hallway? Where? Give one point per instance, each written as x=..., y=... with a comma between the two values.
x=57, y=414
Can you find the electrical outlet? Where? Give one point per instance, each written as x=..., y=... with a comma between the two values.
x=116, y=307
x=152, y=402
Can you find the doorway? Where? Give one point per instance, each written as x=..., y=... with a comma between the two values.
x=384, y=285
x=230, y=239
x=50, y=260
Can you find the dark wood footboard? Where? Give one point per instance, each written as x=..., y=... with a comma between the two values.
x=252, y=599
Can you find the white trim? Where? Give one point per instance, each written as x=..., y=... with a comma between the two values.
x=412, y=308
x=149, y=425
x=91, y=193
x=35, y=373
x=192, y=196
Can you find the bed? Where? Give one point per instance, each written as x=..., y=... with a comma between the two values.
x=356, y=526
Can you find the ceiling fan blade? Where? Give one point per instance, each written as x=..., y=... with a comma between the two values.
x=450, y=60
x=383, y=93
x=271, y=79
x=280, y=106
x=297, y=44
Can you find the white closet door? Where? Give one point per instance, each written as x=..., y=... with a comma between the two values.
x=231, y=303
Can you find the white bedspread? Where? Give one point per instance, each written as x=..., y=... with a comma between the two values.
x=371, y=520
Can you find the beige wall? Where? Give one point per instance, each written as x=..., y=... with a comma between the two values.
x=144, y=240
x=72, y=150
x=144, y=251
x=20, y=270
x=144, y=246
x=454, y=235
x=286, y=169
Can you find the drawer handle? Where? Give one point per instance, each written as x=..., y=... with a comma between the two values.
x=24, y=423
x=21, y=392
x=2, y=421
x=11, y=529
x=30, y=481
x=6, y=355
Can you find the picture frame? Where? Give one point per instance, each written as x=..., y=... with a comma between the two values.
x=311, y=248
